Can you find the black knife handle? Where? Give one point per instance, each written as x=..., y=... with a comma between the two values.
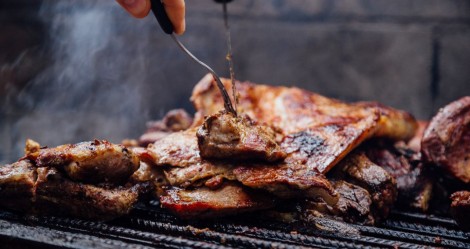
x=159, y=11
x=222, y=1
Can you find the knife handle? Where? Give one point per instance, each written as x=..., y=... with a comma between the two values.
x=159, y=11
x=222, y=1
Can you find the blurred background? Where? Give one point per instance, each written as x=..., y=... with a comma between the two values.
x=77, y=70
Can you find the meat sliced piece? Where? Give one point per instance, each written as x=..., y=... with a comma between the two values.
x=174, y=120
x=17, y=183
x=179, y=153
x=287, y=181
x=460, y=208
x=91, y=162
x=226, y=136
x=356, y=168
x=57, y=195
x=414, y=184
x=354, y=205
x=198, y=174
x=203, y=202
x=446, y=140
x=338, y=127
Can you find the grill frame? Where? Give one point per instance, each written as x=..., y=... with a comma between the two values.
x=149, y=226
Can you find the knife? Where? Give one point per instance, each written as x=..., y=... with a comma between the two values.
x=162, y=18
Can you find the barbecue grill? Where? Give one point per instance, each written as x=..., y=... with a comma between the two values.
x=419, y=59
x=150, y=226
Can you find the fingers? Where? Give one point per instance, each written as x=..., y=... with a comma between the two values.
x=175, y=9
x=137, y=8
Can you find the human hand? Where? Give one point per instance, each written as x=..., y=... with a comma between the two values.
x=175, y=9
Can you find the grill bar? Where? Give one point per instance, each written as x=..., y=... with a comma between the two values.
x=151, y=226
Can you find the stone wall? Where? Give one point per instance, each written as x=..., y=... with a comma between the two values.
x=78, y=70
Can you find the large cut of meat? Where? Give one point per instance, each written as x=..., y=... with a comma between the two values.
x=318, y=131
x=91, y=162
x=446, y=140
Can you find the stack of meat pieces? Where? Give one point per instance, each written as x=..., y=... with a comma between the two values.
x=446, y=144
x=279, y=148
x=85, y=180
x=286, y=149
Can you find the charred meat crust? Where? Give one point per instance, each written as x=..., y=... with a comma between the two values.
x=446, y=140
x=357, y=168
x=226, y=136
x=354, y=205
x=91, y=162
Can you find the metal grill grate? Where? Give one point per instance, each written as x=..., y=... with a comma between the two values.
x=150, y=226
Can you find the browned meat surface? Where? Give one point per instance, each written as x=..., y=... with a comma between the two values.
x=58, y=195
x=287, y=181
x=174, y=120
x=354, y=205
x=321, y=130
x=460, y=208
x=91, y=162
x=415, y=186
x=17, y=183
x=180, y=154
x=226, y=136
x=446, y=140
x=356, y=168
x=203, y=202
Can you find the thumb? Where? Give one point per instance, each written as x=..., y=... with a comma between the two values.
x=137, y=8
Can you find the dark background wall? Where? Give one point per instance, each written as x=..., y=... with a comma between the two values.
x=77, y=70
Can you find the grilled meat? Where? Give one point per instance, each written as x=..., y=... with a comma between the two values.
x=174, y=120
x=415, y=185
x=90, y=162
x=354, y=205
x=231, y=198
x=226, y=136
x=328, y=128
x=58, y=195
x=287, y=181
x=446, y=140
x=178, y=153
x=17, y=185
x=460, y=208
x=357, y=168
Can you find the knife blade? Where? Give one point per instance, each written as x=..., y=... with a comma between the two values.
x=164, y=22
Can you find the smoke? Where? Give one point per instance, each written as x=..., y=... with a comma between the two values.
x=94, y=82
